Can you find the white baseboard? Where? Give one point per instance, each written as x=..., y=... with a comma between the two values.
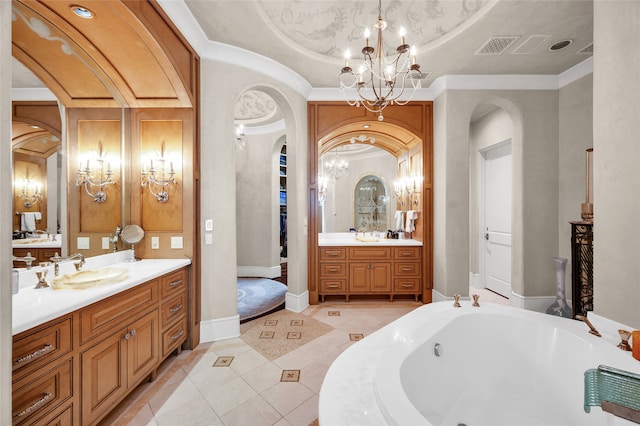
x=531, y=303
x=219, y=329
x=260, y=271
x=296, y=302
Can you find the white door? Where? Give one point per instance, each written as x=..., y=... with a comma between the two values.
x=496, y=241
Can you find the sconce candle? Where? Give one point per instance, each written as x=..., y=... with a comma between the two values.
x=96, y=178
x=158, y=180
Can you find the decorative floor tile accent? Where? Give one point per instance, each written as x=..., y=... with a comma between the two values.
x=296, y=323
x=355, y=337
x=223, y=361
x=334, y=313
x=294, y=335
x=267, y=334
x=271, y=323
x=290, y=376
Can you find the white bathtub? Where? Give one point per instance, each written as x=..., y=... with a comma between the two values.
x=497, y=366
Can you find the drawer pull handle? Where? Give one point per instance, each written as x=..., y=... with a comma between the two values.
x=177, y=335
x=332, y=269
x=175, y=308
x=46, y=348
x=405, y=285
x=333, y=286
x=333, y=253
x=130, y=334
x=407, y=269
x=407, y=253
x=175, y=283
x=45, y=397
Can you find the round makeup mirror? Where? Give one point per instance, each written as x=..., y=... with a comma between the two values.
x=132, y=234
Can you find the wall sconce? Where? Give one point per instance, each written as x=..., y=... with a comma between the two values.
x=406, y=187
x=158, y=179
x=96, y=178
x=241, y=143
x=30, y=193
x=323, y=183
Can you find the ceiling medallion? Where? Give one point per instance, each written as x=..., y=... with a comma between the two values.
x=380, y=81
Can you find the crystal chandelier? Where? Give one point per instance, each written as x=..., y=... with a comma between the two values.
x=337, y=168
x=380, y=81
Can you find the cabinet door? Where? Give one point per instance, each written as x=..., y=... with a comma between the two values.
x=142, y=348
x=380, y=277
x=358, y=277
x=103, y=377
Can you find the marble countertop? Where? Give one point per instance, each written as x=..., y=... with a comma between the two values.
x=43, y=242
x=350, y=239
x=33, y=307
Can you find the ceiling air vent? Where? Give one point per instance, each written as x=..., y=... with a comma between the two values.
x=497, y=45
x=588, y=50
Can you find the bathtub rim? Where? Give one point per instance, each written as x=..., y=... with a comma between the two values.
x=346, y=396
x=387, y=380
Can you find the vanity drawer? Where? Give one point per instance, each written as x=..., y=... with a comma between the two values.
x=173, y=337
x=338, y=286
x=332, y=253
x=407, y=268
x=33, y=397
x=369, y=253
x=173, y=283
x=173, y=309
x=406, y=285
x=33, y=350
x=406, y=253
x=111, y=313
x=333, y=270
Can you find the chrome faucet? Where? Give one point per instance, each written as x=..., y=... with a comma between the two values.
x=57, y=260
x=28, y=259
x=114, y=238
x=592, y=329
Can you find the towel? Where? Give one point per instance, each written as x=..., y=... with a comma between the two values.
x=28, y=221
x=412, y=215
x=399, y=220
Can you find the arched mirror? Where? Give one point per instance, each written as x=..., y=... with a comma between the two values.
x=371, y=204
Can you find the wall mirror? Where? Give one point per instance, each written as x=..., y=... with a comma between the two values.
x=367, y=172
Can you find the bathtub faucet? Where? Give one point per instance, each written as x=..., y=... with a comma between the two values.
x=592, y=329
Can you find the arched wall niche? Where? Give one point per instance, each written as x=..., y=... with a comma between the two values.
x=408, y=127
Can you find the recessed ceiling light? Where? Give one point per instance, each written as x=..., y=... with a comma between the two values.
x=560, y=45
x=33, y=126
x=82, y=12
x=366, y=126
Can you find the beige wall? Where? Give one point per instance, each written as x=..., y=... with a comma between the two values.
x=575, y=136
x=535, y=188
x=6, y=218
x=218, y=183
x=616, y=146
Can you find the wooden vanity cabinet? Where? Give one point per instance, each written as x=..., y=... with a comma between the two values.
x=77, y=368
x=370, y=270
x=43, y=370
x=41, y=254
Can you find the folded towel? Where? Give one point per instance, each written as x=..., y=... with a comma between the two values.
x=399, y=220
x=28, y=221
x=412, y=215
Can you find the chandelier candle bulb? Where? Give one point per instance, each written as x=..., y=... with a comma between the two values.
x=402, y=34
x=367, y=34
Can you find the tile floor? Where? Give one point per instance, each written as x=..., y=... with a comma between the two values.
x=244, y=387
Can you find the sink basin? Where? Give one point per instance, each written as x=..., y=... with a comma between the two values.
x=88, y=279
x=368, y=239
